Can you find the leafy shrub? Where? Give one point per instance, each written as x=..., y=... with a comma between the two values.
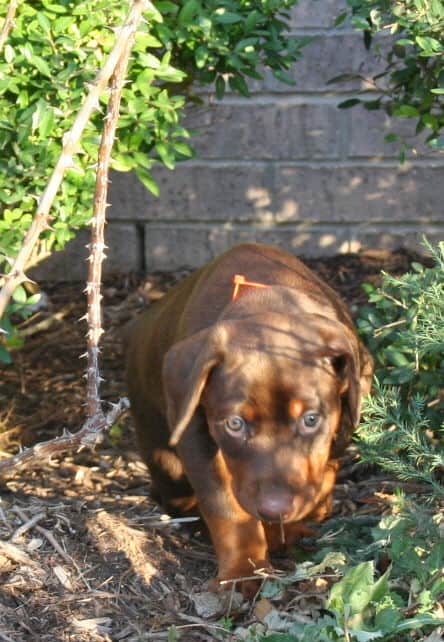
x=56, y=48
x=403, y=426
x=365, y=603
x=413, y=79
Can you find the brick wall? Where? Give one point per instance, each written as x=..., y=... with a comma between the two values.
x=285, y=166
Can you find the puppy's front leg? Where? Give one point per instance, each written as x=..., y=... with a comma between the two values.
x=238, y=538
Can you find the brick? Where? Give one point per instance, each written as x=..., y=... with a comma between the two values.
x=196, y=193
x=268, y=193
x=315, y=14
x=123, y=255
x=391, y=238
x=357, y=194
x=253, y=130
x=327, y=57
x=176, y=247
x=366, y=130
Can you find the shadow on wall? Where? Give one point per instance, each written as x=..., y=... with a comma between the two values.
x=311, y=210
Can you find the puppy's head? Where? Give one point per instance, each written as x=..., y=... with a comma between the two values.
x=276, y=392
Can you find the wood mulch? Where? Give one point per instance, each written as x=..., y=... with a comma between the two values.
x=85, y=554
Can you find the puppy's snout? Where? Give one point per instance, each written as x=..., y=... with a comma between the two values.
x=275, y=504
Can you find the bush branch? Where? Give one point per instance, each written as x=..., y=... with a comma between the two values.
x=8, y=23
x=42, y=219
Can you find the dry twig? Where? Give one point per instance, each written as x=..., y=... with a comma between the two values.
x=47, y=534
x=15, y=553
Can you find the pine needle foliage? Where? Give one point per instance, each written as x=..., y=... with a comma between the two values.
x=403, y=426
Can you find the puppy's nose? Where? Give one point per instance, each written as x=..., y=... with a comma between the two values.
x=274, y=505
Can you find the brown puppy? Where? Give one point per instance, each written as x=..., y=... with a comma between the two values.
x=243, y=396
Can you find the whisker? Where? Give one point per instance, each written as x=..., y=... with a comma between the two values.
x=281, y=524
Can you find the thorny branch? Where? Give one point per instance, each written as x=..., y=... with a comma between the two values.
x=88, y=435
x=92, y=430
x=97, y=244
x=43, y=218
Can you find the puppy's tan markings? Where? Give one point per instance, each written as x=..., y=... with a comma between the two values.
x=248, y=413
x=295, y=408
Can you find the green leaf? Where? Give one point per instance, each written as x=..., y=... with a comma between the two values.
x=284, y=76
x=344, y=78
x=201, y=56
x=251, y=21
x=359, y=22
x=166, y=154
x=429, y=44
x=395, y=357
x=356, y=590
x=220, y=87
x=406, y=111
x=342, y=17
x=391, y=138
x=222, y=16
x=237, y=83
x=19, y=294
x=9, y=53
x=188, y=12
x=40, y=64
x=5, y=355
x=46, y=124
x=183, y=149
x=148, y=180
x=44, y=21
x=437, y=143
x=419, y=621
x=350, y=102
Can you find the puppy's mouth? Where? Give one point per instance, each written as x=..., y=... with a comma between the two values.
x=282, y=507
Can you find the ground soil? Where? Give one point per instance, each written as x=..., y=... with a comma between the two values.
x=85, y=554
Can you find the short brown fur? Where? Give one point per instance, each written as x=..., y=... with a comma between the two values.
x=261, y=395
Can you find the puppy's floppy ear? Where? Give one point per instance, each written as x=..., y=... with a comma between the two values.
x=359, y=372
x=343, y=349
x=186, y=368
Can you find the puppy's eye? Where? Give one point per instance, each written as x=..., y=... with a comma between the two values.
x=310, y=422
x=235, y=425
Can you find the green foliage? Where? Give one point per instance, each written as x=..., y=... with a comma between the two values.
x=56, y=48
x=414, y=74
x=367, y=605
x=228, y=40
x=403, y=425
x=20, y=306
x=53, y=51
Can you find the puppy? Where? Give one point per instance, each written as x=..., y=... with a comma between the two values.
x=245, y=384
